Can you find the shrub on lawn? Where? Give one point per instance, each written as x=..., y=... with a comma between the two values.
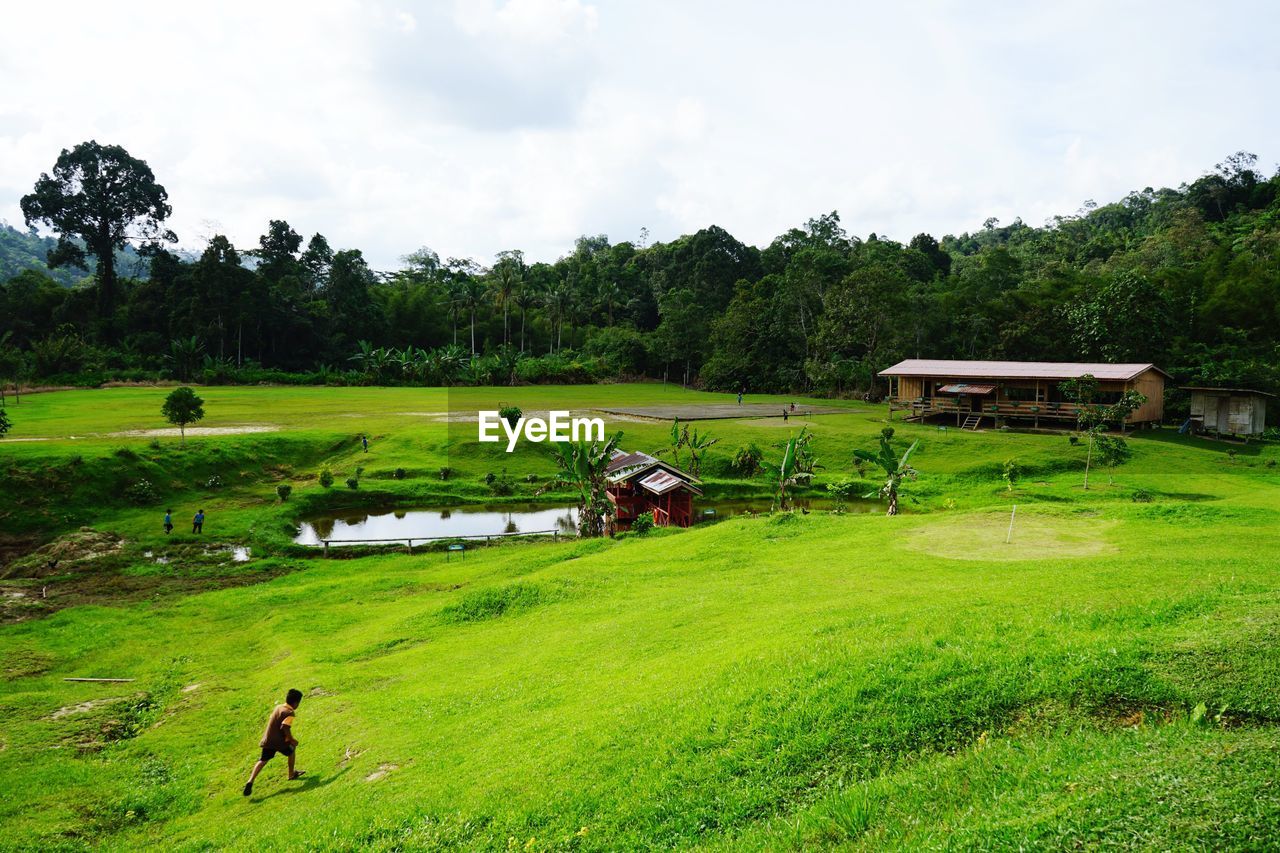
x=446, y=472
x=399, y=474
x=353, y=483
x=643, y=523
x=142, y=493
x=326, y=477
x=510, y=414
x=283, y=491
x=1141, y=496
x=746, y=460
x=502, y=486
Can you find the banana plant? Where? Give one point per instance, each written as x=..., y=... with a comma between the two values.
x=698, y=446
x=789, y=472
x=896, y=470
x=582, y=468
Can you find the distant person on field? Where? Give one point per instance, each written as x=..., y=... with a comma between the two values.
x=740, y=392
x=784, y=413
x=793, y=407
x=364, y=439
x=168, y=521
x=197, y=522
x=278, y=738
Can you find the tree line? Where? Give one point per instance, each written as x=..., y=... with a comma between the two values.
x=1187, y=278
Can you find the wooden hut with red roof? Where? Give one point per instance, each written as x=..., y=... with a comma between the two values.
x=640, y=483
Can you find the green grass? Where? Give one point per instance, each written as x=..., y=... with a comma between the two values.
x=766, y=683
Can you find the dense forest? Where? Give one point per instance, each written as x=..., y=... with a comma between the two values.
x=1188, y=278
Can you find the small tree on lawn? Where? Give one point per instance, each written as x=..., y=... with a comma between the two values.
x=895, y=468
x=182, y=407
x=582, y=467
x=1012, y=471
x=1092, y=419
x=5, y=424
x=1112, y=451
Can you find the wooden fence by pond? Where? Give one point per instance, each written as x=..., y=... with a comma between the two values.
x=408, y=541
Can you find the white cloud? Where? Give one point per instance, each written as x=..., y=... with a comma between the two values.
x=478, y=125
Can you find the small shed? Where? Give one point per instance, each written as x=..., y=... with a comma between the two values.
x=640, y=483
x=1228, y=411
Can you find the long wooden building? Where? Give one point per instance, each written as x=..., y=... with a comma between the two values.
x=994, y=392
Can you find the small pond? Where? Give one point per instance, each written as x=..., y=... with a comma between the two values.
x=473, y=520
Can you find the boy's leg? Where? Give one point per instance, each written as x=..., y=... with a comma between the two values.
x=257, y=768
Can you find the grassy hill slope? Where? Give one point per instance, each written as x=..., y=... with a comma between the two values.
x=1106, y=680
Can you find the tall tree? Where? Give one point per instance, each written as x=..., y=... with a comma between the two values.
x=105, y=197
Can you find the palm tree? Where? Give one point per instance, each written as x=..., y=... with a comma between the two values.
x=896, y=469
x=609, y=297
x=471, y=291
x=526, y=297
x=508, y=272
x=559, y=299
x=582, y=468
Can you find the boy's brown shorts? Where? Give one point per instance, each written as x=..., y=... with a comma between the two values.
x=269, y=752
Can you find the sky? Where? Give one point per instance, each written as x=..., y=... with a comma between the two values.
x=476, y=126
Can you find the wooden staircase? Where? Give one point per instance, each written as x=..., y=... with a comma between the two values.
x=971, y=422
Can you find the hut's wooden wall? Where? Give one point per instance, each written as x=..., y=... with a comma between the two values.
x=1230, y=414
x=910, y=387
x=1150, y=384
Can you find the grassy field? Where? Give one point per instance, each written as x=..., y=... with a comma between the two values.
x=1106, y=680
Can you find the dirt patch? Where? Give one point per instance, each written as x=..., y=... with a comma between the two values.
x=981, y=536
x=174, y=432
x=66, y=552
x=86, y=707
x=382, y=772
x=13, y=440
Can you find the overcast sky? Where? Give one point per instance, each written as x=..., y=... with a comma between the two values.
x=479, y=125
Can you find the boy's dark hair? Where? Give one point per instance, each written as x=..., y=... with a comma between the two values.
x=293, y=697
x=169, y=510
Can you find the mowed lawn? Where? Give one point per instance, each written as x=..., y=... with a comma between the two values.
x=1108, y=679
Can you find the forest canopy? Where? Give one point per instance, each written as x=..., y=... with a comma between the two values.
x=1187, y=278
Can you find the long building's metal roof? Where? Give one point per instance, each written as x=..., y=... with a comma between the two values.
x=952, y=369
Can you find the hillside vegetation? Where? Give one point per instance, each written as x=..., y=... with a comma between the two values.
x=1184, y=277
x=1104, y=680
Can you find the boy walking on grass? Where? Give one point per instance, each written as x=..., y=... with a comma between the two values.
x=278, y=738
x=197, y=522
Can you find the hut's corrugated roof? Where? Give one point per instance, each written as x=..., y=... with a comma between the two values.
x=624, y=466
x=1227, y=390
x=948, y=368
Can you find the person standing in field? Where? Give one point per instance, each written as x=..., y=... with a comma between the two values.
x=741, y=391
x=197, y=522
x=278, y=737
x=785, y=414
x=364, y=440
x=168, y=521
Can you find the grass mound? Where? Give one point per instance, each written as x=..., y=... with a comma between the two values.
x=502, y=601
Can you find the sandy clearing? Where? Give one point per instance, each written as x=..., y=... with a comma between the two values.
x=14, y=440
x=175, y=432
x=381, y=772
x=84, y=707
